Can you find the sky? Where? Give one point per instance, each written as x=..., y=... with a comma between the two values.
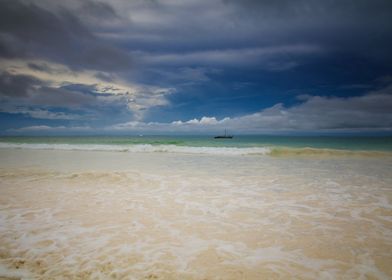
x=81, y=67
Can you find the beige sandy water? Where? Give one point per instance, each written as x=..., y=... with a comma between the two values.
x=113, y=215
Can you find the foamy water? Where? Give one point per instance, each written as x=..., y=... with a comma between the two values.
x=141, y=148
x=204, y=150
x=101, y=215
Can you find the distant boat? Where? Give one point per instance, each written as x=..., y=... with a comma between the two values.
x=226, y=136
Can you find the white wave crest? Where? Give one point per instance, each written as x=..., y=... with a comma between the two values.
x=142, y=148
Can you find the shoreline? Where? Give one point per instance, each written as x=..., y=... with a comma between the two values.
x=271, y=151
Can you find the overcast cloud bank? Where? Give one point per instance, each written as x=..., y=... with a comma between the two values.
x=195, y=66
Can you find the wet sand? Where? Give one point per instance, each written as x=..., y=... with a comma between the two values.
x=113, y=215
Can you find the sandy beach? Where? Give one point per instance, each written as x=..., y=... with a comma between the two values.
x=195, y=140
x=114, y=215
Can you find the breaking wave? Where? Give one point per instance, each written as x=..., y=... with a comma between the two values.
x=143, y=148
x=148, y=148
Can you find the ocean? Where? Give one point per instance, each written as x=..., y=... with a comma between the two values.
x=192, y=207
x=241, y=144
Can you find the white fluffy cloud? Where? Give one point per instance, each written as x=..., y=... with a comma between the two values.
x=202, y=121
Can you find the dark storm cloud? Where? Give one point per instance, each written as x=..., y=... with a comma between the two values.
x=25, y=90
x=204, y=52
x=356, y=14
x=59, y=97
x=350, y=25
x=360, y=27
x=42, y=67
x=28, y=90
x=301, y=8
x=99, y=10
x=17, y=85
x=24, y=96
x=104, y=77
x=28, y=30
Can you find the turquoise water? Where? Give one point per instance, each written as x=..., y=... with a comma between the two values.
x=242, y=141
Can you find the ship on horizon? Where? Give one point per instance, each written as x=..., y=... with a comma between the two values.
x=225, y=136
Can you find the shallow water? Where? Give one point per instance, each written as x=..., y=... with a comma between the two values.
x=89, y=214
x=200, y=143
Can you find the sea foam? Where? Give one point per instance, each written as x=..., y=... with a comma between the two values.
x=100, y=215
x=142, y=148
x=275, y=151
